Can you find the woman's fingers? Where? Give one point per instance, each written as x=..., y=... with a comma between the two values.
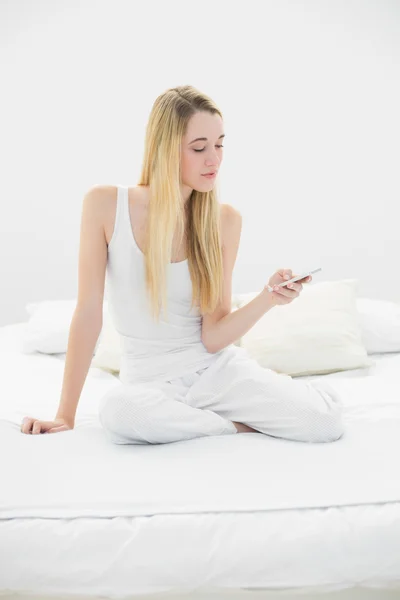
x=35, y=426
x=290, y=292
x=48, y=426
x=27, y=424
x=295, y=287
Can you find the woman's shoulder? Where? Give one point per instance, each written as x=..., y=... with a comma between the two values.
x=105, y=195
x=102, y=193
x=231, y=224
x=230, y=215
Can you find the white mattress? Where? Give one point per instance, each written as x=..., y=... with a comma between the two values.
x=80, y=515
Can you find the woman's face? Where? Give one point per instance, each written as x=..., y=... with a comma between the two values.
x=201, y=156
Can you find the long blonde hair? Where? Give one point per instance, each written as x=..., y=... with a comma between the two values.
x=161, y=173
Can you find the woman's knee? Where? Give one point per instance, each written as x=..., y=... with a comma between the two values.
x=328, y=422
x=326, y=427
x=119, y=408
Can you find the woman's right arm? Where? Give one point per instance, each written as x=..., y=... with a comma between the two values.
x=88, y=316
x=83, y=335
x=87, y=320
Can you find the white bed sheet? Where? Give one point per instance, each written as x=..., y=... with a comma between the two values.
x=229, y=511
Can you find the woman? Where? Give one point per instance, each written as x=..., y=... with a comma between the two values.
x=170, y=247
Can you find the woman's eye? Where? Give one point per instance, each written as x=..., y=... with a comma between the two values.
x=218, y=146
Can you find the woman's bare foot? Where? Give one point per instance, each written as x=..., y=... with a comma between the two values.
x=242, y=428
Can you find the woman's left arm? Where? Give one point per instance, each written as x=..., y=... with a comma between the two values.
x=223, y=327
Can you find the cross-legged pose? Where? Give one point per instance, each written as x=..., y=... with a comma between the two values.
x=168, y=248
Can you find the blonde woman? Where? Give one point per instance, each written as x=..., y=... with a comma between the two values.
x=169, y=248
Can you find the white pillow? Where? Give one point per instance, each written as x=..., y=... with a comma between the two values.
x=317, y=333
x=48, y=327
x=380, y=325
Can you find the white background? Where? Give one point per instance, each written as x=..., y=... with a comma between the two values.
x=310, y=93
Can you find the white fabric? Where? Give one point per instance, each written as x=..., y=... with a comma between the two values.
x=150, y=350
x=287, y=551
x=238, y=511
x=305, y=475
x=234, y=388
x=318, y=333
x=108, y=352
x=213, y=473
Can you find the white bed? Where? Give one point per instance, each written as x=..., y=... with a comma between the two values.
x=245, y=516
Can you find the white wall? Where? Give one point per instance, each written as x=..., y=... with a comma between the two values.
x=310, y=92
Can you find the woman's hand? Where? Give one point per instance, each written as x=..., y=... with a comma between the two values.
x=33, y=426
x=285, y=295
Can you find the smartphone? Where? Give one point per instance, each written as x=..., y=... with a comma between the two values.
x=302, y=276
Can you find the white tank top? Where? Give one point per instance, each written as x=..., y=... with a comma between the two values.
x=150, y=350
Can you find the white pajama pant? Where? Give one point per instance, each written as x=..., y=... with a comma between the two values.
x=233, y=388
